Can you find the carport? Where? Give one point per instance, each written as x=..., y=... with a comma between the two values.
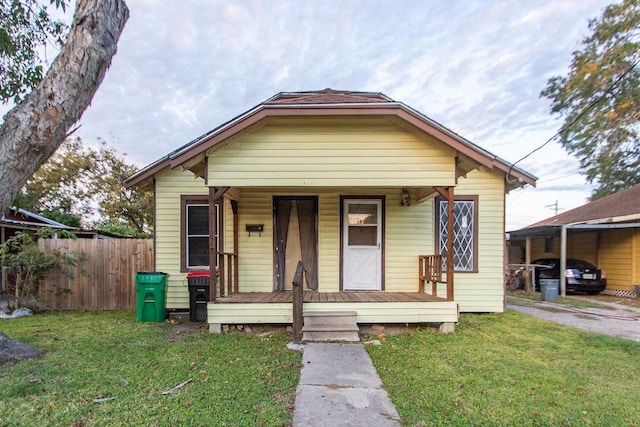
x=565, y=232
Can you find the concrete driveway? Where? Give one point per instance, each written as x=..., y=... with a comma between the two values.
x=609, y=318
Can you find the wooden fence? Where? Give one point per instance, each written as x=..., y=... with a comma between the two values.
x=103, y=279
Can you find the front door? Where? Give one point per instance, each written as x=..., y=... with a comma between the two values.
x=295, y=239
x=362, y=244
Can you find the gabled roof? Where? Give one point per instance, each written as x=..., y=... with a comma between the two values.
x=330, y=103
x=327, y=96
x=623, y=206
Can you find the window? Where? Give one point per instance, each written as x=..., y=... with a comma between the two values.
x=465, y=231
x=548, y=244
x=197, y=236
x=194, y=240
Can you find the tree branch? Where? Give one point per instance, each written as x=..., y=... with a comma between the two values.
x=34, y=128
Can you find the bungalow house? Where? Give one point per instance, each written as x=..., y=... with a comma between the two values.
x=605, y=232
x=355, y=185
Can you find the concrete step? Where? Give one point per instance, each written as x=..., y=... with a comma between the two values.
x=330, y=326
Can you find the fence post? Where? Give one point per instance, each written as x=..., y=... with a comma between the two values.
x=298, y=301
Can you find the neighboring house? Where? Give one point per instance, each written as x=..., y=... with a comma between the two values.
x=17, y=220
x=605, y=232
x=355, y=185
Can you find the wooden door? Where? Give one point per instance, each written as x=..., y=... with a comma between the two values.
x=295, y=239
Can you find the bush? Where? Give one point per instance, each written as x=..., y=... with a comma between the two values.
x=26, y=263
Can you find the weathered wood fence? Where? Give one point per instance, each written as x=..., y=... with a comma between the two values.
x=103, y=279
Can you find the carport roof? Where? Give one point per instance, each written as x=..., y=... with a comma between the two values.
x=623, y=206
x=619, y=210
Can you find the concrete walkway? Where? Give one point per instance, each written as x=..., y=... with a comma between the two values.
x=340, y=387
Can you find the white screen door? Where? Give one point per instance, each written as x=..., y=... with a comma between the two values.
x=362, y=231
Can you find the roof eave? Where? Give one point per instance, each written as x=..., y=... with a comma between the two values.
x=253, y=118
x=391, y=109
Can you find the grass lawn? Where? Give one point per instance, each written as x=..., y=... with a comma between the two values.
x=236, y=378
x=511, y=369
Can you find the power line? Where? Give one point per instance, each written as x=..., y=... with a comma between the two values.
x=578, y=117
x=555, y=207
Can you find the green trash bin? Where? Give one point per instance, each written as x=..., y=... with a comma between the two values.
x=151, y=292
x=549, y=289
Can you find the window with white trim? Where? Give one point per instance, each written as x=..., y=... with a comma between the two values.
x=465, y=233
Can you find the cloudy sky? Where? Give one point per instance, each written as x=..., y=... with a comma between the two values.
x=477, y=67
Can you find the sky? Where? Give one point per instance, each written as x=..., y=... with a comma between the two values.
x=476, y=67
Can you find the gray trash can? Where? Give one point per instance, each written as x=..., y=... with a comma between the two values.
x=549, y=289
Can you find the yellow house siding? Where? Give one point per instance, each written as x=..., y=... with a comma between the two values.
x=583, y=246
x=580, y=245
x=170, y=185
x=398, y=312
x=635, y=260
x=484, y=291
x=616, y=256
x=409, y=233
x=228, y=227
x=298, y=152
x=255, y=257
x=328, y=241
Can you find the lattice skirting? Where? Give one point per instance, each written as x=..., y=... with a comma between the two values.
x=618, y=293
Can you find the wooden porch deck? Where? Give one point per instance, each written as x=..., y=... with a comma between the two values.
x=334, y=297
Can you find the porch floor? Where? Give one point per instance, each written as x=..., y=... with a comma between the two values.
x=314, y=296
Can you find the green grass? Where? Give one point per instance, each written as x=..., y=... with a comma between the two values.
x=495, y=370
x=511, y=370
x=237, y=378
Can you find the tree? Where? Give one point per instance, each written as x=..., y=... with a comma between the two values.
x=600, y=100
x=125, y=210
x=36, y=126
x=81, y=182
x=26, y=27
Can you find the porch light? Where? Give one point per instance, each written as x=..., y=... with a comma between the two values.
x=405, y=197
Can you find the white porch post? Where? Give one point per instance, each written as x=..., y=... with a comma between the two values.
x=563, y=260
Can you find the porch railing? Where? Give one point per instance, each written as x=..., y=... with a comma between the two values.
x=227, y=275
x=298, y=301
x=430, y=271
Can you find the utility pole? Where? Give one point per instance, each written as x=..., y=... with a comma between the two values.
x=555, y=207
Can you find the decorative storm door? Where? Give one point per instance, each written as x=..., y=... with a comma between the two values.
x=362, y=240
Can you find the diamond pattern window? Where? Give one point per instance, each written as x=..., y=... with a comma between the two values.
x=465, y=233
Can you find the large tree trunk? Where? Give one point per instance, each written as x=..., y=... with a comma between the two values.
x=34, y=129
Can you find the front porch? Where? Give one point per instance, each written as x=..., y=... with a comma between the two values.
x=371, y=307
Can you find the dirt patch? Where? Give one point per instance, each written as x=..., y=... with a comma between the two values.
x=13, y=351
x=178, y=329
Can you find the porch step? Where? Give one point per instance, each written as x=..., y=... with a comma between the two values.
x=330, y=326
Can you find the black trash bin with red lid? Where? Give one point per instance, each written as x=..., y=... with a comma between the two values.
x=198, y=295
